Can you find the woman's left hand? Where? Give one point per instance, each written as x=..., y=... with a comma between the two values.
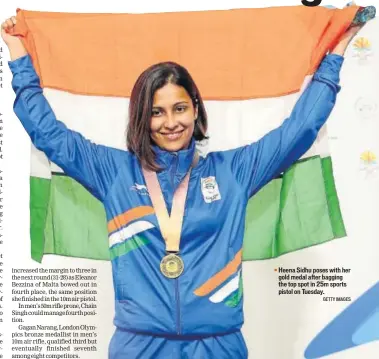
x=344, y=41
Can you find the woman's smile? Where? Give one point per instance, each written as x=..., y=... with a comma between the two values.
x=173, y=136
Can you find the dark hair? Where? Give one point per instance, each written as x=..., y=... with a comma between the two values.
x=141, y=105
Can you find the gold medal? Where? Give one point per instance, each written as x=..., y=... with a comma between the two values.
x=172, y=266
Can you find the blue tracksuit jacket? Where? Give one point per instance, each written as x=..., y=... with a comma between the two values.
x=205, y=301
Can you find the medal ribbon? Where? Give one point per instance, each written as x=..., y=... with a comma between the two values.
x=171, y=226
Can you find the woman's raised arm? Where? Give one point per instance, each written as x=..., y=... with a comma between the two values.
x=92, y=165
x=256, y=164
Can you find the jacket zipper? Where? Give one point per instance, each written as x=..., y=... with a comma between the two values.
x=173, y=171
x=178, y=329
x=177, y=296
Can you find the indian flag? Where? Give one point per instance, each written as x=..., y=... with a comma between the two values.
x=250, y=65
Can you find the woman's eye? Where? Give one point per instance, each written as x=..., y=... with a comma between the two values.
x=156, y=113
x=181, y=108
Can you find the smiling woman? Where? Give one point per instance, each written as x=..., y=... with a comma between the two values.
x=165, y=107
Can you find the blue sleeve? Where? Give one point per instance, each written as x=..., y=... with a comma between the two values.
x=258, y=163
x=90, y=164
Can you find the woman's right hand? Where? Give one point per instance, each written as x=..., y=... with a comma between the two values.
x=15, y=46
x=6, y=29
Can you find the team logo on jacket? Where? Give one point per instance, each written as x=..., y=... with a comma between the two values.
x=210, y=190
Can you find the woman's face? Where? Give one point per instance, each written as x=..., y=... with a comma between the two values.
x=173, y=118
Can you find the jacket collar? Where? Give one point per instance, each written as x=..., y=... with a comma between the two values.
x=179, y=161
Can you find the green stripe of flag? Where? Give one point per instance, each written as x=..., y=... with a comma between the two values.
x=332, y=197
x=299, y=210
x=76, y=223
x=39, y=203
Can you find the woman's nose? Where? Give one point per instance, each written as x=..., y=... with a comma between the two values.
x=170, y=122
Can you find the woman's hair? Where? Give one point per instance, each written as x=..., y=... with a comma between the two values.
x=141, y=105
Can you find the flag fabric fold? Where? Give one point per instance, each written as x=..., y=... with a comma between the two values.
x=250, y=66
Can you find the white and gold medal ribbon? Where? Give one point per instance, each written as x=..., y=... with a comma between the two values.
x=172, y=265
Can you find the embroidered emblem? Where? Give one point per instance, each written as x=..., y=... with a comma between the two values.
x=210, y=190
